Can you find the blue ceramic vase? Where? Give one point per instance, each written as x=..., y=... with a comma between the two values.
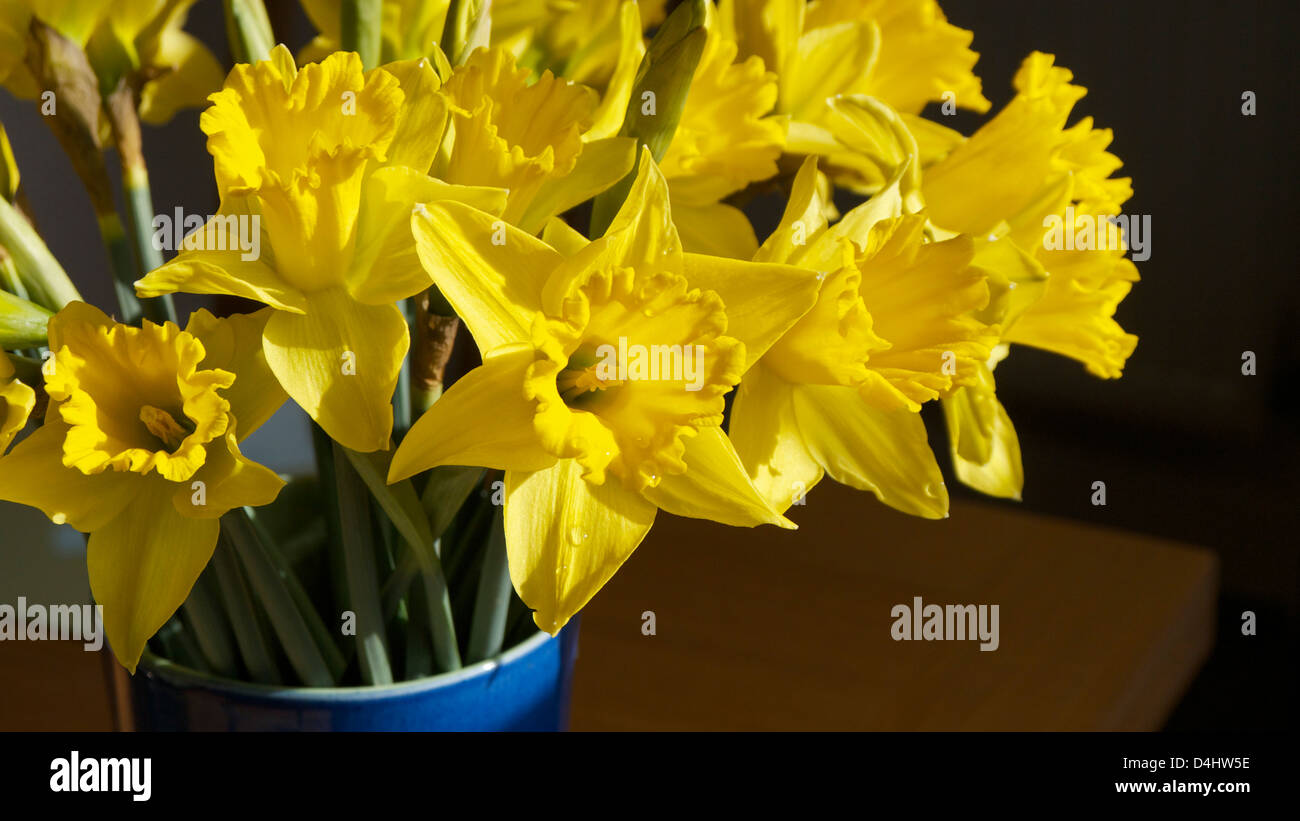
x=526, y=688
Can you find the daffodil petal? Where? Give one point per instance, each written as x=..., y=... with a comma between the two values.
x=33, y=474
x=563, y=237
x=885, y=452
x=642, y=234
x=17, y=401
x=714, y=486
x=340, y=362
x=767, y=28
x=1075, y=317
x=830, y=60
x=566, y=537
x=767, y=439
x=763, y=300
x=192, y=73
x=142, y=566
x=494, y=287
x=985, y=448
x=227, y=480
x=609, y=114
x=385, y=267
x=601, y=164
x=422, y=118
x=718, y=229
x=204, y=271
x=234, y=344
x=482, y=420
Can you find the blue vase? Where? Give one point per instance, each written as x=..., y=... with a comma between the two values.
x=526, y=688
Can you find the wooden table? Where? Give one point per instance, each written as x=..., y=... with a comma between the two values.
x=770, y=630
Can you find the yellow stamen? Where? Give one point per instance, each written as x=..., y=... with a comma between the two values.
x=573, y=383
x=163, y=425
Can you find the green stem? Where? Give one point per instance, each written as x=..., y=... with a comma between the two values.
x=22, y=324
x=203, y=613
x=139, y=219
x=488, y=626
x=300, y=642
x=280, y=563
x=254, y=646
x=47, y=283
x=178, y=645
x=666, y=72
x=362, y=578
x=124, y=270
x=248, y=30
x=419, y=650
x=402, y=506
x=361, y=26
x=9, y=278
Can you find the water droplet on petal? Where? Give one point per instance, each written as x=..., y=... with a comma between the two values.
x=577, y=535
x=932, y=489
x=59, y=518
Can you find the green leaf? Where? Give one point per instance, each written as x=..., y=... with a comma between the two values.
x=360, y=571
x=445, y=493
x=274, y=572
x=254, y=647
x=402, y=506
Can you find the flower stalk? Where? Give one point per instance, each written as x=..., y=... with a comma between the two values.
x=248, y=30
x=362, y=21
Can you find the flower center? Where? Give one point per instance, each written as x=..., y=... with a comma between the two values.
x=164, y=426
x=586, y=374
x=635, y=366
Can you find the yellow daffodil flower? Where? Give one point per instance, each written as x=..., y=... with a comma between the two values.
x=903, y=52
x=892, y=329
x=140, y=450
x=16, y=403
x=119, y=37
x=1026, y=168
x=528, y=138
x=305, y=151
x=591, y=447
x=726, y=139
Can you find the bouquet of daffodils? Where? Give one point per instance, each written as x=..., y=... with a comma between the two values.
x=568, y=180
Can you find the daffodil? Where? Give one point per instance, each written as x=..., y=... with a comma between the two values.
x=316, y=156
x=120, y=37
x=528, y=137
x=592, y=448
x=1028, y=168
x=140, y=449
x=727, y=138
x=893, y=328
x=16, y=403
x=903, y=52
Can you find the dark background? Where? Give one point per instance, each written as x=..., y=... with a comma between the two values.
x=1189, y=448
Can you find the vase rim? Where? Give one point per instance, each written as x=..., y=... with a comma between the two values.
x=182, y=676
